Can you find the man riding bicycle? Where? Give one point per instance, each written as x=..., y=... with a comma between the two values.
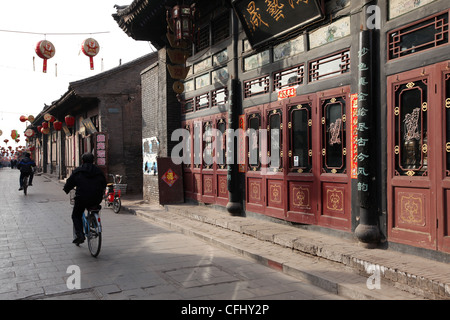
x=26, y=166
x=90, y=183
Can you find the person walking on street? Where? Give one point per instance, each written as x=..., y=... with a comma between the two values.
x=90, y=183
x=26, y=166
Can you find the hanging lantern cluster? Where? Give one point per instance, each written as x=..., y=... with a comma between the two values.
x=45, y=126
x=180, y=33
x=30, y=118
x=46, y=50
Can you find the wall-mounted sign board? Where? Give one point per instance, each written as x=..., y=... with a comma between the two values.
x=264, y=20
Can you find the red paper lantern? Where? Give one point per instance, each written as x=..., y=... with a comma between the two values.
x=45, y=50
x=44, y=125
x=48, y=117
x=39, y=128
x=70, y=121
x=57, y=125
x=45, y=130
x=181, y=18
x=29, y=132
x=91, y=48
x=23, y=118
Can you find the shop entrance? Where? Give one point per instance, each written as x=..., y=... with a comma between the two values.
x=419, y=157
x=301, y=174
x=205, y=177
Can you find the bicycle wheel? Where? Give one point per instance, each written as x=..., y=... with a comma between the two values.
x=117, y=204
x=94, y=236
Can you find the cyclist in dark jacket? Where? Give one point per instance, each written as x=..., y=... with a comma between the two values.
x=90, y=183
x=26, y=166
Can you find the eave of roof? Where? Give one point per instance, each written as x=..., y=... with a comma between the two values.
x=144, y=20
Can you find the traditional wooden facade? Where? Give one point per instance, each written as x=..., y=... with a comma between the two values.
x=358, y=93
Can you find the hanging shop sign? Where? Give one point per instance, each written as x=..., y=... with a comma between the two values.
x=89, y=126
x=264, y=20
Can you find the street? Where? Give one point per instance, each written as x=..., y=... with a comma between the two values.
x=138, y=260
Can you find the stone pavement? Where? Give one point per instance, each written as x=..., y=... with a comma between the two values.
x=139, y=260
x=351, y=270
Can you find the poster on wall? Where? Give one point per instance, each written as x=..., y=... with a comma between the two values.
x=150, y=147
x=264, y=20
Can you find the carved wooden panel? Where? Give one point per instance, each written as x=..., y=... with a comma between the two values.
x=222, y=187
x=208, y=185
x=254, y=191
x=412, y=206
x=275, y=193
x=300, y=199
x=333, y=199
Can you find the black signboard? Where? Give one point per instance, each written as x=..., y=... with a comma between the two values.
x=264, y=20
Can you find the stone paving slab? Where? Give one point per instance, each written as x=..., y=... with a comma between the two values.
x=288, y=248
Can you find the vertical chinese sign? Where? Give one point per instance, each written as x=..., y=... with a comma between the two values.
x=241, y=147
x=354, y=136
x=101, y=149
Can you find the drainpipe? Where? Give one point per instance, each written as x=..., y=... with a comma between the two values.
x=234, y=206
x=367, y=231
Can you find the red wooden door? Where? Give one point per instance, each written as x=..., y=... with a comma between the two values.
x=334, y=209
x=413, y=157
x=443, y=147
x=254, y=182
x=302, y=182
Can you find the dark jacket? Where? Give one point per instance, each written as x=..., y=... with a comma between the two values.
x=90, y=183
x=26, y=165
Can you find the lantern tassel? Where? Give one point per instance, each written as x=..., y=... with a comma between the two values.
x=92, y=62
x=44, y=70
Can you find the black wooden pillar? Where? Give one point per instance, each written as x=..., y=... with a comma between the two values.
x=234, y=206
x=367, y=231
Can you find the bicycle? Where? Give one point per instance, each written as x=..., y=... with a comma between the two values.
x=92, y=227
x=113, y=194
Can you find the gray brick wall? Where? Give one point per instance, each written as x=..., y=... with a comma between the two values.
x=161, y=115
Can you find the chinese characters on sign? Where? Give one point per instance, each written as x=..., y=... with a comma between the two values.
x=170, y=177
x=354, y=136
x=363, y=127
x=266, y=19
x=287, y=93
x=100, y=149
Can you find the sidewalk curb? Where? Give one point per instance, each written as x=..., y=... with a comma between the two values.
x=342, y=255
